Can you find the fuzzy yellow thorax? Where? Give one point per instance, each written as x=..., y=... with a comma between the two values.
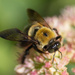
x=42, y=38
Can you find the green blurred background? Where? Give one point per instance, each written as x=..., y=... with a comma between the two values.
x=13, y=15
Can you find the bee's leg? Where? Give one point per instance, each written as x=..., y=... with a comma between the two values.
x=58, y=37
x=56, y=31
x=61, y=54
x=53, y=57
x=35, y=47
x=26, y=52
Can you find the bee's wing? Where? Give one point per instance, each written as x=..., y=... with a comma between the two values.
x=35, y=17
x=15, y=35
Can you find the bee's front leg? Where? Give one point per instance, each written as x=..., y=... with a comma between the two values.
x=56, y=31
x=53, y=57
x=58, y=37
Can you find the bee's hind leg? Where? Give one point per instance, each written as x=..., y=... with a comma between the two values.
x=26, y=52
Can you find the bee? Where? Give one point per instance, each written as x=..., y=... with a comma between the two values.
x=39, y=35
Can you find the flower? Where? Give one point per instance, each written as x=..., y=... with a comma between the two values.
x=19, y=68
x=41, y=64
x=48, y=64
x=33, y=73
x=69, y=14
x=64, y=73
x=34, y=66
x=73, y=70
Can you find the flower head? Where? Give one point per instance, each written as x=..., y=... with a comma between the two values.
x=41, y=64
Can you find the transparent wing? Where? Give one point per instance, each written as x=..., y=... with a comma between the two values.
x=14, y=35
x=35, y=17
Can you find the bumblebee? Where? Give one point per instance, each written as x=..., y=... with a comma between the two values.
x=39, y=35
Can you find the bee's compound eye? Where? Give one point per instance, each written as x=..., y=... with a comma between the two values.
x=45, y=34
x=45, y=47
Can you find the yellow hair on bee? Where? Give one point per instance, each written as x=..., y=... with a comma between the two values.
x=33, y=27
x=42, y=38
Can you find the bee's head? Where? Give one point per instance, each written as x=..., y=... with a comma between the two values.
x=52, y=46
